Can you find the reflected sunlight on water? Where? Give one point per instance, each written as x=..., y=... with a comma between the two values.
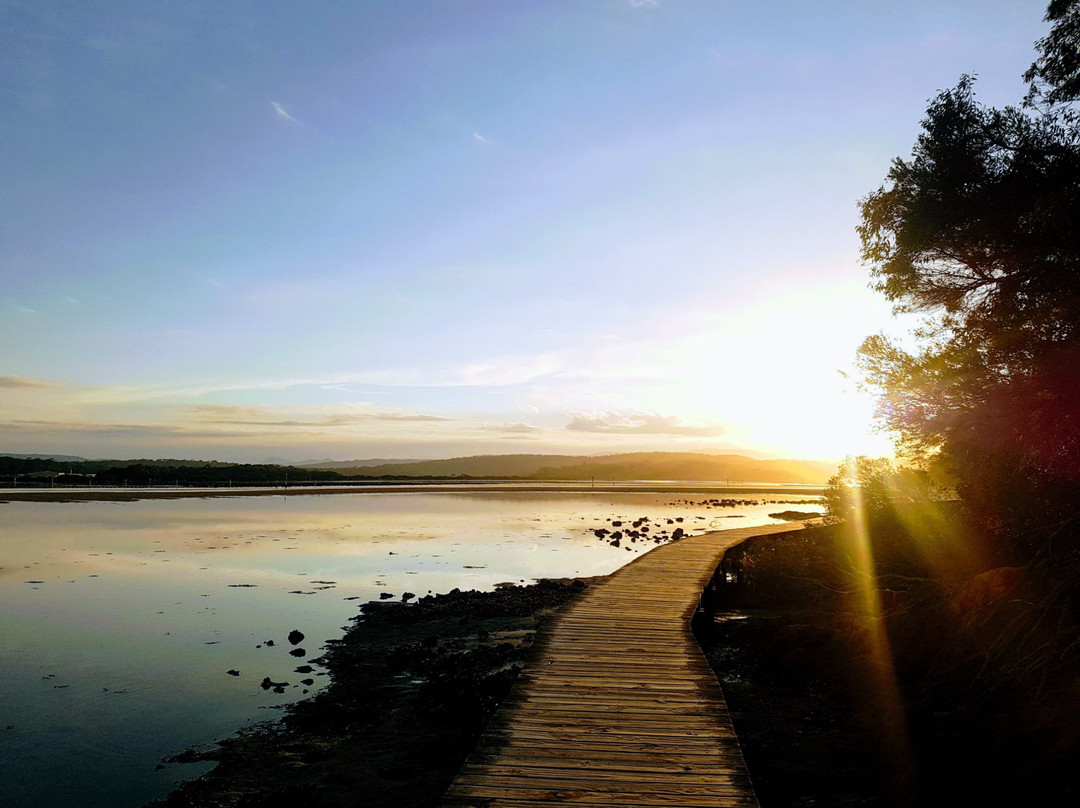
x=121, y=620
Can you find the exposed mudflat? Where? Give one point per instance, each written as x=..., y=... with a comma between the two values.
x=411, y=687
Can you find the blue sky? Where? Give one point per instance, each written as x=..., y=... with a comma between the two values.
x=242, y=230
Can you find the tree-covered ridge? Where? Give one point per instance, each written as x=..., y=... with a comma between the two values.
x=683, y=466
x=143, y=472
x=680, y=466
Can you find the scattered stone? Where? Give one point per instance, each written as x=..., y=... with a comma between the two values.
x=269, y=643
x=298, y=652
x=233, y=672
x=385, y=595
x=407, y=596
x=304, y=669
x=296, y=637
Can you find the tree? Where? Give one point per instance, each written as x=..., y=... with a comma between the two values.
x=978, y=231
x=1055, y=74
x=872, y=488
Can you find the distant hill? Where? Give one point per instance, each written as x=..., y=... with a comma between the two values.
x=682, y=466
x=145, y=471
x=354, y=464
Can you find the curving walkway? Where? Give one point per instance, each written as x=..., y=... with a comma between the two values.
x=619, y=706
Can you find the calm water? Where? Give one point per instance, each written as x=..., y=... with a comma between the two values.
x=120, y=620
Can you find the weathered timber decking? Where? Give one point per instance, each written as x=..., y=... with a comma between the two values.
x=619, y=706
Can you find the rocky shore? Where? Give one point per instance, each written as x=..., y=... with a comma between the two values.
x=412, y=685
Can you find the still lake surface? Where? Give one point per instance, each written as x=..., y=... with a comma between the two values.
x=119, y=621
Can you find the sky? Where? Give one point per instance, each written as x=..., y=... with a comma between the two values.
x=249, y=230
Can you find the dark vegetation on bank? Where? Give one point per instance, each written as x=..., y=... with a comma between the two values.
x=917, y=663
x=672, y=466
x=39, y=471
x=908, y=655
x=411, y=687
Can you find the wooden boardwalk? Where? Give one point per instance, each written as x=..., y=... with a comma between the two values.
x=619, y=706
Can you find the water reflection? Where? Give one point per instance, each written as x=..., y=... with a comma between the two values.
x=121, y=620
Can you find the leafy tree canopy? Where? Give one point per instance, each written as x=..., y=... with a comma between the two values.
x=979, y=230
x=1055, y=75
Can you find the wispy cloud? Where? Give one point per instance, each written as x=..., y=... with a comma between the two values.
x=518, y=428
x=635, y=424
x=20, y=308
x=227, y=415
x=154, y=431
x=282, y=113
x=478, y=138
x=23, y=383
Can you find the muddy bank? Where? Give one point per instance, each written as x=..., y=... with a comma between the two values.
x=923, y=683
x=411, y=687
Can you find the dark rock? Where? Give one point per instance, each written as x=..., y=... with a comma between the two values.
x=269, y=643
x=233, y=672
x=407, y=596
x=385, y=595
x=296, y=637
x=298, y=652
x=304, y=669
x=308, y=682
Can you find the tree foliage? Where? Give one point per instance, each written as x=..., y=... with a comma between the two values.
x=979, y=230
x=873, y=488
x=1055, y=75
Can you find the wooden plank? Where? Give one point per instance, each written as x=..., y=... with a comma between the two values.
x=625, y=798
x=537, y=774
x=618, y=706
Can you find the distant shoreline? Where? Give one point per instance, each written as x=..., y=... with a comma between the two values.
x=434, y=487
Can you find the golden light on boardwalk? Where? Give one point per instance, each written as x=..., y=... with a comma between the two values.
x=619, y=707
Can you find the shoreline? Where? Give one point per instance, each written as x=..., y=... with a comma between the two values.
x=412, y=686
x=440, y=487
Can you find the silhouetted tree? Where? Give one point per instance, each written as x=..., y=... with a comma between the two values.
x=1055, y=74
x=980, y=231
